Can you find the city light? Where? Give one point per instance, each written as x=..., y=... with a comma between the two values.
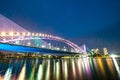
x=36, y=34
x=18, y=33
x=43, y=46
x=33, y=34
x=40, y=34
x=3, y=33
x=57, y=48
x=113, y=55
x=28, y=34
x=11, y=33
x=28, y=43
x=24, y=34
x=17, y=42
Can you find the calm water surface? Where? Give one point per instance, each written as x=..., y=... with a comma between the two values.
x=60, y=69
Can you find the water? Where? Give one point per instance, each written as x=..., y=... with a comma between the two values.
x=60, y=69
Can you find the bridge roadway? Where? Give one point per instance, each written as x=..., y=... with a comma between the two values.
x=25, y=49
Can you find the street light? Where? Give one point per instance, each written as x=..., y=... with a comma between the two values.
x=33, y=34
x=39, y=34
x=11, y=33
x=28, y=34
x=3, y=33
x=23, y=34
x=18, y=34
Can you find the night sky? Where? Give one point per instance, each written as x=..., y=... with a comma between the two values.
x=95, y=23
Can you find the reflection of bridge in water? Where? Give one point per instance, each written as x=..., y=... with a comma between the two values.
x=60, y=69
x=14, y=38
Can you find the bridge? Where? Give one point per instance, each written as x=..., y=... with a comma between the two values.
x=15, y=38
x=28, y=49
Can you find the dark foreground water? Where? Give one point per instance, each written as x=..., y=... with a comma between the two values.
x=60, y=69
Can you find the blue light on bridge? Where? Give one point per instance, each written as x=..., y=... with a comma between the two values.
x=19, y=48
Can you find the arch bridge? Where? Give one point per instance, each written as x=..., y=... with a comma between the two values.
x=37, y=42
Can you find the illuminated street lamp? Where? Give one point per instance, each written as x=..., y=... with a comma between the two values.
x=23, y=34
x=57, y=48
x=11, y=33
x=36, y=34
x=18, y=34
x=3, y=34
x=64, y=49
x=17, y=42
x=28, y=43
x=43, y=46
x=28, y=34
x=33, y=34
x=40, y=34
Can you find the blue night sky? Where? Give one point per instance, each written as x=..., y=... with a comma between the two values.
x=82, y=21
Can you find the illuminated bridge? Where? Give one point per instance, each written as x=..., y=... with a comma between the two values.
x=15, y=38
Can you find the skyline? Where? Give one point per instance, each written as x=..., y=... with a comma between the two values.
x=84, y=20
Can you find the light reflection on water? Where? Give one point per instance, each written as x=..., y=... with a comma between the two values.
x=60, y=69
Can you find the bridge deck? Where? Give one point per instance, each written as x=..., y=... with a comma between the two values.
x=20, y=48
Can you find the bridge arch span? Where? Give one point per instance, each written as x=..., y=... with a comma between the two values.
x=29, y=36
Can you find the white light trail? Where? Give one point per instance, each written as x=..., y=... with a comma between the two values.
x=22, y=73
x=73, y=68
x=116, y=66
x=40, y=72
x=8, y=73
x=47, y=76
x=57, y=70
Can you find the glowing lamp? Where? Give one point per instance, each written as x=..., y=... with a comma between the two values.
x=3, y=33
x=33, y=34
x=36, y=34
x=23, y=34
x=113, y=55
x=11, y=33
x=28, y=34
x=40, y=34
x=18, y=34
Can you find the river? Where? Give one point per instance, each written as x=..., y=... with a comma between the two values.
x=60, y=69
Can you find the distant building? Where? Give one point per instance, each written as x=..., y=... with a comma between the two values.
x=105, y=51
x=92, y=50
x=96, y=51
